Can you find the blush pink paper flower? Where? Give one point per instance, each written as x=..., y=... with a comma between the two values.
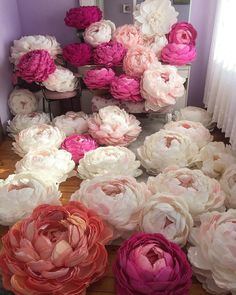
x=126, y=88
x=35, y=66
x=99, y=78
x=150, y=264
x=78, y=54
x=128, y=35
x=56, y=250
x=178, y=54
x=81, y=17
x=109, y=54
x=182, y=33
x=78, y=145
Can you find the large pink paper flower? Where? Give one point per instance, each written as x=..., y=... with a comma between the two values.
x=128, y=35
x=57, y=250
x=99, y=78
x=137, y=60
x=178, y=54
x=182, y=33
x=109, y=54
x=78, y=54
x=81, y=17
x=78, y=145
x=150, y=264
x=126, y=88
x=35, y=66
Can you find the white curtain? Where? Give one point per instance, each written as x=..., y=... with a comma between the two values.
x=220, y=90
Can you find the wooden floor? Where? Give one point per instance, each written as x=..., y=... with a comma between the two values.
x=105, y=286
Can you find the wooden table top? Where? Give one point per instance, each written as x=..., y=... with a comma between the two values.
x=105, y=286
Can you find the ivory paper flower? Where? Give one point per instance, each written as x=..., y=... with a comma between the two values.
x=156, y=44
x=166, y=148
x=109, y=160
x=56, y=163
x=200, y=192
x=116, y=199
x=113, y=126
x=22, y=101
x=72, y=123
x=99, y=32
x=21, y=193
x=168, y=215
x=213, y=253
x=41, y=136
x=155, y=17
x=228, y=185
x=128, y=35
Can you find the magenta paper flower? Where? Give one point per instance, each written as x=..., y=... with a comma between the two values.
x=178, y=54
x=182, y=33
x=150, y=264
x=99, y=78
x=78, y=145
x=78, y=54
x=35, y=66
x=126, y=88
x=82, y=17
x=109, y=54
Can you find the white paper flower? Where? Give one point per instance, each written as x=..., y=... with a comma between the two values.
x=41, y=136
x=62, y=80
x=168, y=215
x=166, y=148
x=99, y=32
x=156, y=43
x=109, y=160
x=116, y=199
x=195, y=130
x=72, y=123
x=23, y=121
x=21, y=193
x=28, y=43
x=22, y=101
x=155, y=17
x=228, y=184
x=213, y=256
x=56, y=163
x=201, y=192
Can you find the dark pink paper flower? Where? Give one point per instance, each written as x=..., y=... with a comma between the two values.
x=78, y=54
x=35, y=66
x=99, y=78
x=150, y=264
x=109, y=53
x=82, y=17
x=182, y=33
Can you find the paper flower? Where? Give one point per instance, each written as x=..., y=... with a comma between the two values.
x=56, y=163
x=137, y=60
x=161, y=85
x=155, y=17
x=40, y=136
x=150, y=264
x=166, y=148
x=109, y=160
x=21, y=193
x=29, y=43
x=62, y=80
x=22, y=101
x=113, y=126
x=178, y=54
x=128, y=35
x=83, y=16
x=156, y=44
x=228, y=185
x=78, y=54
x=62, y=246
x=78, y=145
x=116, y=199
x=109, y=54
x=182, y=33
x=195, y=130
x=35, y=66
x=72, y=123
x=99, y=78
x=212, y=255
x=126, y=88
x=99, y=32
x=201, y=192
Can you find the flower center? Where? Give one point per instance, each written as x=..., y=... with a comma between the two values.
x=112, y=190
x=169, y=140
x=165, y=77
x=185, y=181
x=186, y=126
x=17, y=187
